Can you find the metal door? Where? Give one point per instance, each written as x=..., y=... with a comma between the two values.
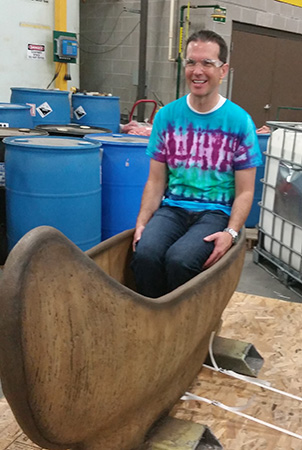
x=265, y=72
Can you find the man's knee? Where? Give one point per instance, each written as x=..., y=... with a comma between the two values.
x=146, y=254
x=186, y=261
x=175, y=262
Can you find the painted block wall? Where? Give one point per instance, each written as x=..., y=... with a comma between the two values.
x=109, y=37
x=24, y=22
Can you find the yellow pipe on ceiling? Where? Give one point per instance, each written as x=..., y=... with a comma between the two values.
x=61, y=25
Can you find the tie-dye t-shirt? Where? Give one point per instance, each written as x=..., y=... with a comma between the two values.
x=201, y=152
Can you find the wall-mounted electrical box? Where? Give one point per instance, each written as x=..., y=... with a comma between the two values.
x=65, y=47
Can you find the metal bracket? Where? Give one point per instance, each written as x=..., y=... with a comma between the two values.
x=177, y=434
x=239, y=356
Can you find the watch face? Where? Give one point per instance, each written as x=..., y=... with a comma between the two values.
x=233, y=233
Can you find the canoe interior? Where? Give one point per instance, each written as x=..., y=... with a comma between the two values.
x=114, y=256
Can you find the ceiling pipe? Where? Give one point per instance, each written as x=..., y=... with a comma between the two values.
x=141, y=87
x=171, y=31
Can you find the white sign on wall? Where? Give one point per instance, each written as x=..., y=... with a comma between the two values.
x=35, y=51
x=24, y=22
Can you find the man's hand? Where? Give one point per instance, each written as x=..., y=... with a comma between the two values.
x=137, y=235
x=222, y=241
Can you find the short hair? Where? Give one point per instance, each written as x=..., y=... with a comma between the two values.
x=210, y=36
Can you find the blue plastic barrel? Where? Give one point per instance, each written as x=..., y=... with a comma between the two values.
x=48, y=106
x=15, y=116
x=96, y=111
x=125, y=170
x=254, y=215
x=53, y=181
x=8, y=132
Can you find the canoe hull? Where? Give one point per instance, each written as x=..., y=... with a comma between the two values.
x=94, y=363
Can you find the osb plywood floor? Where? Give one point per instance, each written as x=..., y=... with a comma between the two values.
x=274, y=328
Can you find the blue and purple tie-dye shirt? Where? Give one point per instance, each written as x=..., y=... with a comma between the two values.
x=201, y=152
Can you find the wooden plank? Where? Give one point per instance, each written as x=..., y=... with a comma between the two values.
x=273, y=326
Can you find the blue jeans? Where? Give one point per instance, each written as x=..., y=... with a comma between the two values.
x=171, y=250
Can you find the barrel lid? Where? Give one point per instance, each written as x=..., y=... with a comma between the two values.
x=125, y=139
x=95, y=97
x=13, y=106
x=44, y=91
x=72, y=129
x=51, y=143
x=8, y=131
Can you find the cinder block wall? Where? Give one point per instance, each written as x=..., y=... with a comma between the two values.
x=109, y=42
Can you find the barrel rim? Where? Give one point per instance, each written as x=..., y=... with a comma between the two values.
x=107, y=97
x=44, y=91
x=27, y=132
x=14, y=105
x=93, y=137
x=26, y=142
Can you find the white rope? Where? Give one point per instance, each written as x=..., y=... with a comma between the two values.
x=211, y=350
x=236, y=410
x=262, y=383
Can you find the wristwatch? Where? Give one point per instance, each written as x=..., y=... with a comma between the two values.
x=233, y=233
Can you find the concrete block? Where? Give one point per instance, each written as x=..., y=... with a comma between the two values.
x=129, y=53
x=264, y=19
x=126, y=24
x=248, y=15
x=157, y=8
x=279, y=22
x=233, y=13
x=133, y=39
x=292, y=25
x=240, y=3
x=126, y=68
x=259, y=5
x=274, y=7
x=287, y=10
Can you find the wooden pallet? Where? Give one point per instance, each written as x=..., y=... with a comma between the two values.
x=251, y=238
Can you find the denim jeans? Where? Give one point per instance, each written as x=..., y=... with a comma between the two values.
x=171, y=250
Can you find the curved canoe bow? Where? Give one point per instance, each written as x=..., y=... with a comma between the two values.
x=87, y=363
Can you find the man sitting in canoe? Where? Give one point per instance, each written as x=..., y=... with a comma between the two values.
x=204, y=152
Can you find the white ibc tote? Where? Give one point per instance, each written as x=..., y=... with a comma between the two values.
x=280, y=224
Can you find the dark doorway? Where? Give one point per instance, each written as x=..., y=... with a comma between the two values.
x=266, y=72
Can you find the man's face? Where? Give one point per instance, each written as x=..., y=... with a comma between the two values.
x=204, y=79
